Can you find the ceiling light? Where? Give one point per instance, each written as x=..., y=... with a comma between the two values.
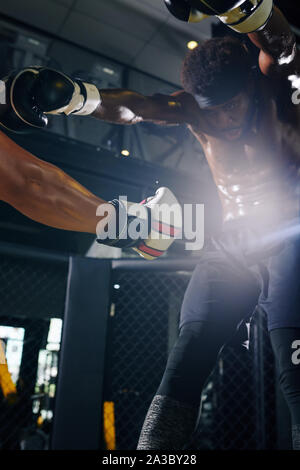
x=192, y=44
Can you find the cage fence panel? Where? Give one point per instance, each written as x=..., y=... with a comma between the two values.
x=238, y=403
x=143, y=328
x=237, y=406
x=31, y=309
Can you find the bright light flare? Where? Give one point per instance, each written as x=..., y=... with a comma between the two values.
x=192, y=45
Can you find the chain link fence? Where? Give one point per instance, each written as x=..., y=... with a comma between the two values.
x=238, y=409
x=239, y=401
x=144, y=318
x=32, y=294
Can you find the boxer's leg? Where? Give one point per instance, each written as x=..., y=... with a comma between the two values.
x=216, y=300
x=281, y=302
x=286, y=347
x=173, y=413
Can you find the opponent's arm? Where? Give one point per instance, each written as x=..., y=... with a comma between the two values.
x=279, y=53
x=44, y=192
x=47, y=195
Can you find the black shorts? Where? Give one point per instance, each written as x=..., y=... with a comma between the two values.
x=243, y=268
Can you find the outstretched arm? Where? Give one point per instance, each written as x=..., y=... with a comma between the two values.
x=279, y=53
x=128, y=107
x=34, y=93
x=43, y=192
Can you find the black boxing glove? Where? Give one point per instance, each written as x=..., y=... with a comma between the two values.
x=183, y=11
x=244, y=16
x=34, y=92
x=18, y=112
x=194, y=10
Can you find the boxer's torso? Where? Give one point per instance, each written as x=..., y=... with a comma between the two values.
x=256, y=175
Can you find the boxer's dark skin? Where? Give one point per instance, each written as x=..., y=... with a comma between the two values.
x=247, y=162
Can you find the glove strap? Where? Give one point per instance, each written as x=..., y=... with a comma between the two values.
x=125, y=242
x=84, y=101
x=254, y=20
x=92, y=101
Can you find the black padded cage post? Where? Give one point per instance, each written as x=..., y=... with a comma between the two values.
x=78, y=408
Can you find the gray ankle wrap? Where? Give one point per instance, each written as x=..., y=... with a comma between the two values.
x=168, y=424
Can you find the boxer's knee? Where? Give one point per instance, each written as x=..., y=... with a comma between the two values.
x=192, y=360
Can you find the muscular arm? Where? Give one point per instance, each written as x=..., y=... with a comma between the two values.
x=122, y=106
x=43, y=192
x=279, y=53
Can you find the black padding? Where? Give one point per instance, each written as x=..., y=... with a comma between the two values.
x=214, y=7
x=179, y=8
x=79, y=395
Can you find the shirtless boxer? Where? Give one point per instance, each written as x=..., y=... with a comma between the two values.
x=248, y=127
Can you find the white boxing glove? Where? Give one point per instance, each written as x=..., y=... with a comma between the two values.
x=149, y=227
x=166, y=224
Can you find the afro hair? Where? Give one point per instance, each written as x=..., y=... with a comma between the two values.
x=217, y=64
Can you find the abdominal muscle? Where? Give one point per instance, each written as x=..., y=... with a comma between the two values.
x=254, y=179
